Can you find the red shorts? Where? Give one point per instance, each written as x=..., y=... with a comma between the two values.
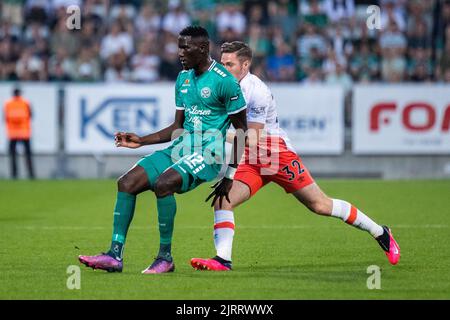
x=286, y=170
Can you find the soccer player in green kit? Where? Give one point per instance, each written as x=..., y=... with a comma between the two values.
x=208, y=99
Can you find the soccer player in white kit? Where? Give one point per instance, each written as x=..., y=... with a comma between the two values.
x=277, y=163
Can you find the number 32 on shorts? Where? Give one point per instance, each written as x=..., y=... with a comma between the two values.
x=296, y=169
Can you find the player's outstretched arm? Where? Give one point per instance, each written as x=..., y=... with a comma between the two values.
x=132, y=140
x=223, y=187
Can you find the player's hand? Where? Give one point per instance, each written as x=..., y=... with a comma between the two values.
x=127, y=140
x=221, y=189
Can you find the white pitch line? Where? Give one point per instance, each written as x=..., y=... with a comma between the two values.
x=282, y=227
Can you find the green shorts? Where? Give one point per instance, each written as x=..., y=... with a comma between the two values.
x=193, y=168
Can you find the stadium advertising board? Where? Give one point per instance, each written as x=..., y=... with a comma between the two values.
x=43, y=100
x=312, y=116
x=95, y=112
x=403, y=119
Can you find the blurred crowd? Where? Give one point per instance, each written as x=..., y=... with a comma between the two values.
x=293, y=40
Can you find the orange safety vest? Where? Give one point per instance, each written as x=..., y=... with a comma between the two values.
x=18, y=118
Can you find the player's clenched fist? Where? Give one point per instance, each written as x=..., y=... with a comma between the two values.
x=127, y=140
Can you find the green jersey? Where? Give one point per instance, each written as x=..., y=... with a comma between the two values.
x=207, y=100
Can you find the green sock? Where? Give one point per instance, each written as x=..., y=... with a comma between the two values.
x=167, y=208
x=123, y=214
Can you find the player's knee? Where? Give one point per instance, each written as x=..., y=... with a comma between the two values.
x=126, y=184
x=163, y=188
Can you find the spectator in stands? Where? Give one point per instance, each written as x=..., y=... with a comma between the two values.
x=340, y=77
x=315, y=15
x=116, y=41
x=258, y=41
x=392, y=12
x=338, y=10
x=63, y=37
x=283, y=17
x=8, y=60
x=30, y=67
x=443, y=68
x=38, y=10
x=281, y=66
x=145, y=64
x=148, y=20
x=176, y=18
x=12, y=10
x=170, y=63
x=364, y=65
x=60, y=66
x=310, y=38
x=231, y=17
x=87, y=66
x=117, y=70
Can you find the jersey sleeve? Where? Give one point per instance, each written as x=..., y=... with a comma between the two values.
x=232, y=96
x=178, y=101
x=259, y=106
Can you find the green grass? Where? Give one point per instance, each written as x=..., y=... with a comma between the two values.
x=281, y=251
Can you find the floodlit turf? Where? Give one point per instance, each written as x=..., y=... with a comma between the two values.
x=281, y=250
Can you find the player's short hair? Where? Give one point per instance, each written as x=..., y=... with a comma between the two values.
x=242, y=50
x=195, y=32
x=16, y=92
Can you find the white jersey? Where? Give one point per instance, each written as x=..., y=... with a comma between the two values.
x=261, y=107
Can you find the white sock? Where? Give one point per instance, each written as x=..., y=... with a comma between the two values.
x=223, y=233
x=351, y=215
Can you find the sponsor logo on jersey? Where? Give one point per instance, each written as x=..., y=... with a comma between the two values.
x=183, y=90
x=234, y=98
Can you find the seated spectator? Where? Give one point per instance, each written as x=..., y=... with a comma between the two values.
x=117, y=70
x=420, y=66
x=30, y=67
x=116, y=41
x=176, y=19
x=60, y=66
x=231, y=17
x=282, y=17
x=393, y=66
x=12, y=11
x=38, y=10
x=145, y=64
x=148, y=20
x=311, y=38
x=65, y=38
x=338, y=10
x=364, y=65
x=419, y=38
x=87, y=66
x=444, y=63
x=8, y=59
x=393, y=38
x=258, y=41
x=313, y=76
x=316, y=15
x=339, y=77
x=170, y=63
x=391, y=12
x=281, y=66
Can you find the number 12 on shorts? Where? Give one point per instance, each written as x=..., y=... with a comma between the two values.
x=195, y=162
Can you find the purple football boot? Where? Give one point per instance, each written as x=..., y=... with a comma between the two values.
x=102, y=262
x=160, y=266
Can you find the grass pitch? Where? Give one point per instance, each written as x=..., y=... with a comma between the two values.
x=281, y=251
